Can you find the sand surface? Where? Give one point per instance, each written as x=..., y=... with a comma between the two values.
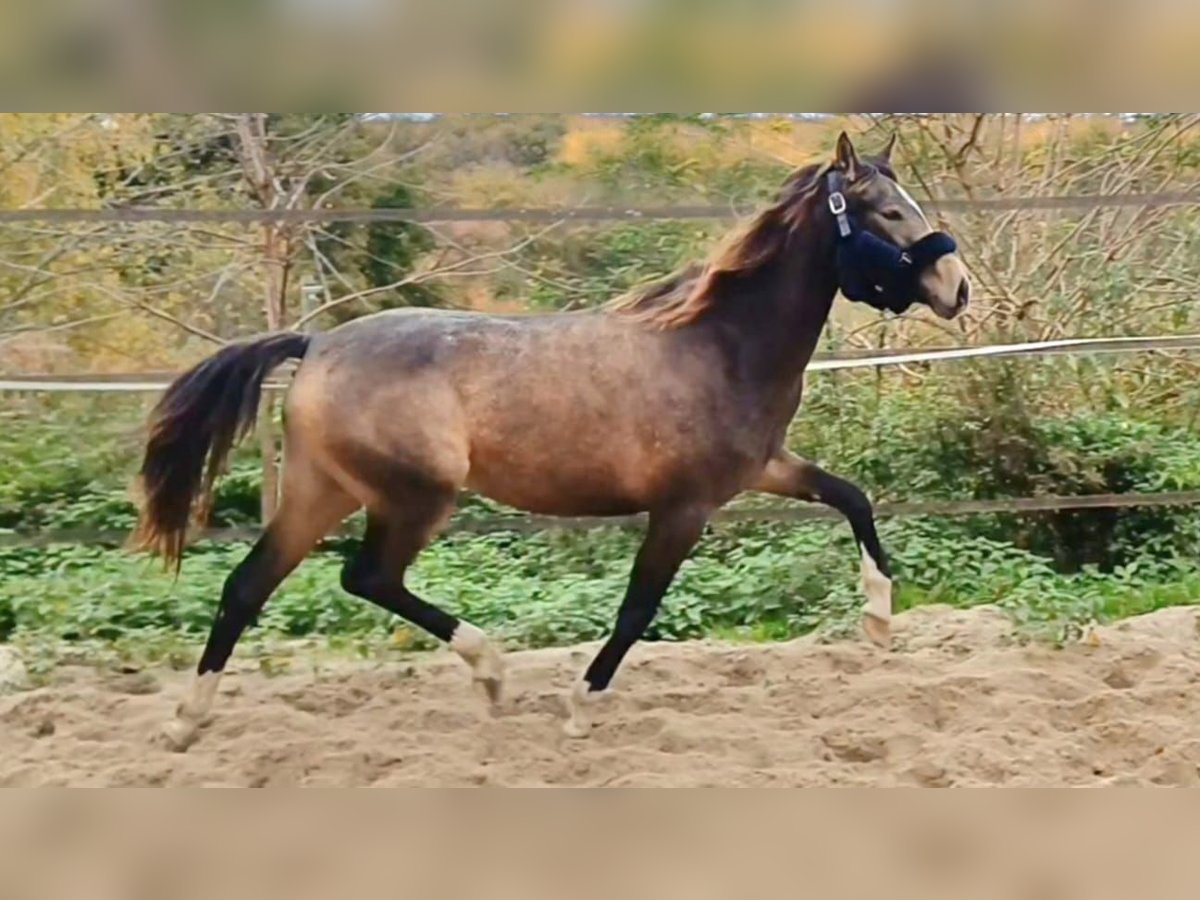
x=957, y=702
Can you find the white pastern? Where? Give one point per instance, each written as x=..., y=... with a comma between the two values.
x=877, y=587
x=181, y=731
x=204, y=690
x=487, y=665
x=581, y=704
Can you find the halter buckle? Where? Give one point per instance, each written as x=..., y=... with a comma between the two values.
x=837, y=206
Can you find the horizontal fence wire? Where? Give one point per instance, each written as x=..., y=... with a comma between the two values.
x=566, y=214
x=157, y=381
x=778, y=514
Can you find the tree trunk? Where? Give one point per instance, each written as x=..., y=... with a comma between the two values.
x=276, y=254
x=256, y=167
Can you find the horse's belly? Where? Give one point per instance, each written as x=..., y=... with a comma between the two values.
x=568, y=466
x=596, y=475
x=563, y=490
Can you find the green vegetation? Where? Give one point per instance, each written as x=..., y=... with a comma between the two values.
x=748, y=583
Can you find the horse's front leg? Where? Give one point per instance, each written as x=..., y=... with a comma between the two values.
x=671, y=535
x=790, y=476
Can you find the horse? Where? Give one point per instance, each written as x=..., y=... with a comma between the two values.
x=669, y=401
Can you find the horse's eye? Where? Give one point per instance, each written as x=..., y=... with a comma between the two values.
x=892, y=214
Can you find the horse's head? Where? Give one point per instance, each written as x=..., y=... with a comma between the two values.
x=888, y=253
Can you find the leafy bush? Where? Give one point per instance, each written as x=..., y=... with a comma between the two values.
x=745, y=581
x=976, y=434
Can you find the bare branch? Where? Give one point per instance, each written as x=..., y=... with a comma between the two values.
x=417, y=278
x=150, y=310
x=14, y=333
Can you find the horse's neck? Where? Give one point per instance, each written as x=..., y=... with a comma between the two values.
x=778, y=321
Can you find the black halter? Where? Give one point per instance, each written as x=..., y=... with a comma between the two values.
x=873, y=270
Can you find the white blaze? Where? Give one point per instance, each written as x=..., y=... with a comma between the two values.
x=915, y=205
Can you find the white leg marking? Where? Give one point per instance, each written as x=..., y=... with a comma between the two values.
x=878, y=611
x=204, y=691
x=580, y=704
x=487, y=665
x=877, y=587
x=182, y=730
x=468, y=641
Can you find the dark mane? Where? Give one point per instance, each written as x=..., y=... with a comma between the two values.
x=686, y=295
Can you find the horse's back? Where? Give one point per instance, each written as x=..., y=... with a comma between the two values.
x=575, y=413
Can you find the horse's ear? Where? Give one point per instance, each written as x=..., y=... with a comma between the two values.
x=886, y=153
x=845, y=157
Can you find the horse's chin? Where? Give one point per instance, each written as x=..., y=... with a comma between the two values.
x=945, y=311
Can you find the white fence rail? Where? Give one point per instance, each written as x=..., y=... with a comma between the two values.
x=135, y=383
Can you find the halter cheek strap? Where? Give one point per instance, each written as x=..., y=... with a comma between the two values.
x=837, y=204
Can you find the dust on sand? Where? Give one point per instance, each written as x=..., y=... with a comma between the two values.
x=956, y=702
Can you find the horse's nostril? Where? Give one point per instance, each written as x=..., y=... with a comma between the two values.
x=964, y=293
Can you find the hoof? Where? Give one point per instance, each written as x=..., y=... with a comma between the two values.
x=492, y=687
x=186, y=713
x=878, y=631
x=488, y=673
x=178, y=734
x=576, y=729
x=580, y=703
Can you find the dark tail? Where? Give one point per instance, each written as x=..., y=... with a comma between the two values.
x=191, y=431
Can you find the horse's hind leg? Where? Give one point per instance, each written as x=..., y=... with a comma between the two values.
x=394, y=537
x=787, y=475
x=311, y=505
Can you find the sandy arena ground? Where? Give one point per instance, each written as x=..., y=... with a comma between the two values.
x=956, y=702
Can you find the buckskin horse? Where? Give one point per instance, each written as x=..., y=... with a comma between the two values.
x=670, y=400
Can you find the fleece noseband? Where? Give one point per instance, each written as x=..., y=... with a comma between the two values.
x=873, y=270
